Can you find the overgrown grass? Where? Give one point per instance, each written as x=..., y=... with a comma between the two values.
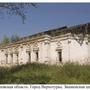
x=45, y=74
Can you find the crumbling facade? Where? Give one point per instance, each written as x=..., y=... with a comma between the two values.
x=57, y=46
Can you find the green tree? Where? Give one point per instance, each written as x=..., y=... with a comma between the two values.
x=5, y=40
x=14, y=38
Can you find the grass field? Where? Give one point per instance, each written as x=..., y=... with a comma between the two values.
x=45, y=74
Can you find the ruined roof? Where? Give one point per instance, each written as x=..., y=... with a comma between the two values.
x=62, y=30
x=84, y=28
x=48, y=32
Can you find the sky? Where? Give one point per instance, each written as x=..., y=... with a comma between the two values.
x=46, y=16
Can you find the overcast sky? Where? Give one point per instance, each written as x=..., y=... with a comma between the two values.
x=45, y=17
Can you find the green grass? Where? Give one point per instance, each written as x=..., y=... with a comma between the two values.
x=44, y=74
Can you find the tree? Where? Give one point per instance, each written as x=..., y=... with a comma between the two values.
x=81, y=32
x=14, y=38
x=18, y=9
x=5, y=40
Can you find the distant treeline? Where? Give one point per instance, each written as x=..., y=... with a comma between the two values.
x=7, y=40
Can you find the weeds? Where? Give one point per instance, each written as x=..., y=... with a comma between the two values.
x=45, y=74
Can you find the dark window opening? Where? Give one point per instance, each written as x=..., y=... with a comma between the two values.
x=36, y=56
x=29, y=57
x=6, y=58
x=11, y=58
x=17, y=58
x=60, y=56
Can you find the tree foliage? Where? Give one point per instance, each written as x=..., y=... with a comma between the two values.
x=80, y=32
x=5, y=40
x=14, y=38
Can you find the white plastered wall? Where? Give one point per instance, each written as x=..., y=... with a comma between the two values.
x=72, y=51
x=78, y=53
